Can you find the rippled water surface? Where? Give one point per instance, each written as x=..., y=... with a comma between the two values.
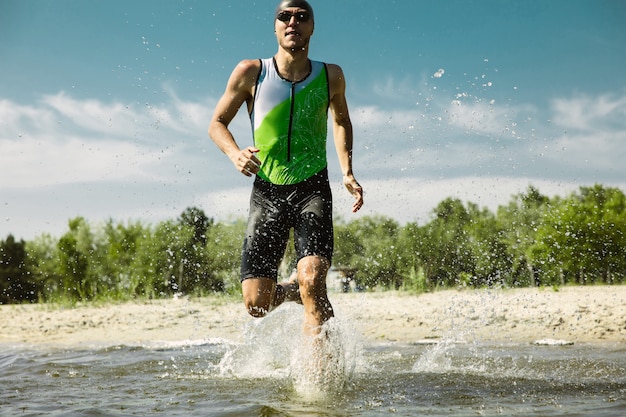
x=268, y=375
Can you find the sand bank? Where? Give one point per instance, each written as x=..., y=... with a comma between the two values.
x=573, y=314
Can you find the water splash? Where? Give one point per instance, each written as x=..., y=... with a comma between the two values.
x=275, y=347
x=266, y=347
x=437, y=358
x=323, y=364
x=439, y=73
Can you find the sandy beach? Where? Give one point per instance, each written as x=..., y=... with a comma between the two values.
x=570, y=315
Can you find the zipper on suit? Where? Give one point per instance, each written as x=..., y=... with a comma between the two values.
x=291, y=110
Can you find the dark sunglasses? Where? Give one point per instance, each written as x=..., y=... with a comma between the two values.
x=285, y=16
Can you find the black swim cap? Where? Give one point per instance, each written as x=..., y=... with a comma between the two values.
x=302, y=4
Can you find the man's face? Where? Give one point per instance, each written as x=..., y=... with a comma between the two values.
x=294, y=27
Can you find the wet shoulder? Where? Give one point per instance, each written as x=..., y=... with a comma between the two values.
x=248, y=68
x=336, y=78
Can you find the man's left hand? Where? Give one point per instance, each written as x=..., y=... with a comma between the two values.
x=356, y=190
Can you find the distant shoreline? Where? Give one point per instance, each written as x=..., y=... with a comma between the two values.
x=594, y=314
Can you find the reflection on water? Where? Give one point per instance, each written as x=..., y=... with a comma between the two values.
x=263, y=376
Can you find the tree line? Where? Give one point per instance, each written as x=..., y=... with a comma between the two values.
x=533, y=241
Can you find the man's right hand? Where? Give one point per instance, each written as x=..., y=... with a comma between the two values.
x=247, y=162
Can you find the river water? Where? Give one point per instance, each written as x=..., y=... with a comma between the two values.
x=269, y=373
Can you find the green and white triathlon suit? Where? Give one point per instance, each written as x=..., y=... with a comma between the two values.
x=289, y=121
x=291, y=190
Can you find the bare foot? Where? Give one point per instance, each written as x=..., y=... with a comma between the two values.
x=291, y=290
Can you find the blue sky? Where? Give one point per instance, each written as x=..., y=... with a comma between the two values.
x=104, y=105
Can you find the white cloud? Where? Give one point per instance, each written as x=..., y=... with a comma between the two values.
x=598, y=151
x=96, y=159
x=488, y=118
x=394, y=89
x=589, y=113
x=62, y=140
x=226, y=204
x=96, y=117
x=592, y=132
x=131, y=120
x=17, y=120
x=53, y=161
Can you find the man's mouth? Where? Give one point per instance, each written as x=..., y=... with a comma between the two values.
x=292, y=33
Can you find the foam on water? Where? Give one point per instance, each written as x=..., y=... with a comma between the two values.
x=275, y=347
x=553, y=342
x=545, y=361
x=181, y=344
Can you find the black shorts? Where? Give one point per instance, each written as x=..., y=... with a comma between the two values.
x=274, y=210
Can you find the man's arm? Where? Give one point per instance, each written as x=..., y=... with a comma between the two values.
x=239, y=90
x=342, y=132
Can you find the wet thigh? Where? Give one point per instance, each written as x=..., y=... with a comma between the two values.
x=313, y=231
x=264, y=244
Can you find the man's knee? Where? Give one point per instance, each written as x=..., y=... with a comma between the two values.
x=257, y=308
x=257, y=296
x=312, y=274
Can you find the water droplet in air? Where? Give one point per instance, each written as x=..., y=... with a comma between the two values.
x=439, y=73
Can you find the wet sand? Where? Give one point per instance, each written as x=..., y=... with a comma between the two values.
x=570, y=315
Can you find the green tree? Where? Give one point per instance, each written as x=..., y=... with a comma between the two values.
x=518, y=223
x=195, y=218
x=445, y=250
x=492, y=262
x=196, y=272
x=368, y=246
x=122, y=243
x=148, y=268
x=348, y=243
x=224, y=247
x=410, y=242
x=582, y=238
x=599, y=219
x=75, y=248
x=16, y=282
x=162, y=257
x=43, y=262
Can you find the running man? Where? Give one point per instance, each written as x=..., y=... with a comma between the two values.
x=288, y=97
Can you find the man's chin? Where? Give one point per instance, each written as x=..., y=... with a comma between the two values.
x=297, y=46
